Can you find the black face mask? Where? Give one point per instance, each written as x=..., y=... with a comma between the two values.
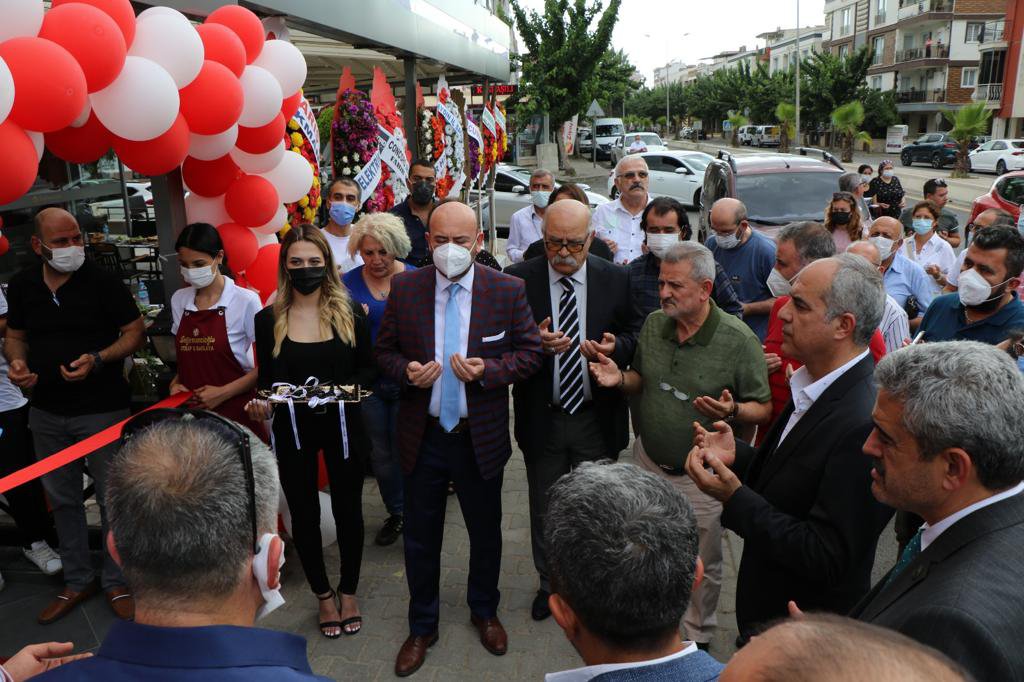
x=841, y=218
x=307, y=280
x=423, y=193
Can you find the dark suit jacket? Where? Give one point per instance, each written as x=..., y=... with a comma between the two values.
x=964, y=594
x=501, y=331
x=808, y=519
x=610, y=308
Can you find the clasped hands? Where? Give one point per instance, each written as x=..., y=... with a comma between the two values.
x=714, y=450
x=556, y=343
x=423, y=375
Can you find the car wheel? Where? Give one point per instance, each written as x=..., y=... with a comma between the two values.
x=936, y=160
x=1001, y=167
x=905, y=159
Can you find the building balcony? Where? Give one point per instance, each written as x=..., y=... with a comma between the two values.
x=914, y=54
x=993, y=35
x=911, y=7
x=879, y=18
x=915, y=96
x=988, y=92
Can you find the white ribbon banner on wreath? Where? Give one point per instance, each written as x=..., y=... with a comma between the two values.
x=499, y=117
x=392, y=151
x=488, y=120
x=369, y=177
x=306, y=119
x=474, y=131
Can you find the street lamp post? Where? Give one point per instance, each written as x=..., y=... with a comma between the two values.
x=668, y=70
x=797, y=131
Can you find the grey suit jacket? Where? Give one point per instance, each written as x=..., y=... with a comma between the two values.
x=964, y=594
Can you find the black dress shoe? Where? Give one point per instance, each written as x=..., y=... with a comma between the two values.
x=390, y=531
x=540, y=609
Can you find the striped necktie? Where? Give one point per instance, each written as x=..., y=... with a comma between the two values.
x=570, y=366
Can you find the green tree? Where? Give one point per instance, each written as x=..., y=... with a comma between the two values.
x=828, y=81
x=736, y=121
x=785, y=114
x=968, y=122
x=879, y=110
x=323, y=123
x=846, y=120
x=563, y=57
x=612, y=83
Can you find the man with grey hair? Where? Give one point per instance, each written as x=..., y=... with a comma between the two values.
x=618, y=221
x=894, y=327
x=947, y=446
x=526, y=225
x=623, y=557
x=802, y=502
x=694, y=364
x=855, y=185
x=192, y=500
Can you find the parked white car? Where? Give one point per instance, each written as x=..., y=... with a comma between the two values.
x=140, y=203
x=675, y=174
x=998, y=155
x=651, y=141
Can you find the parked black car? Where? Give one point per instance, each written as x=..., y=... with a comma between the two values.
x=938, y=149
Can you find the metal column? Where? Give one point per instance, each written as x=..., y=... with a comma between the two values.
x=409, y=115
x=169, y=200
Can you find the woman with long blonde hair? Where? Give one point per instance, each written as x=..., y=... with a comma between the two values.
x=315, y=334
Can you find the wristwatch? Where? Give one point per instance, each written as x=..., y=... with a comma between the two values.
x=97, y=361
x=735, y=411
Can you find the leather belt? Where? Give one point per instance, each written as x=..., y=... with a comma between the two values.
x=461, y=427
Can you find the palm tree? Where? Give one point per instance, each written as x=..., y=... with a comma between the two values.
x=737, y=121
x=968, y=122
x=846, y=120
x=785, y=113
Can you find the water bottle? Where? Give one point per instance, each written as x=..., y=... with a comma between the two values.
x=143, y=294
x=106, y=233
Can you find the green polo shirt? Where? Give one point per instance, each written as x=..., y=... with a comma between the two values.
x=724, y=353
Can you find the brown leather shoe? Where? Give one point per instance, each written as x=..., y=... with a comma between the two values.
x=412, y=653
x=122, y=603
x=492, y=634
x=65, y=602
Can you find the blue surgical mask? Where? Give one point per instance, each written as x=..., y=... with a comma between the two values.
x=1020, y=222
x=922, y=225
x=540, y=198
x=888, y=173
x=866, y=179
x=342, y=213
x=1020, y=363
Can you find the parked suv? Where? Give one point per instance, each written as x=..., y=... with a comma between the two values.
x=938, y=149
x=777, y=189
x=766, y=136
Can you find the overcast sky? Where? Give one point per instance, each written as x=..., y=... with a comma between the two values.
x=713, y=25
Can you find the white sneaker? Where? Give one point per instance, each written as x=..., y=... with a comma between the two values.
x=43, y=556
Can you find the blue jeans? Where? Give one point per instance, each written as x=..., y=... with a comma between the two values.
x=380, y=414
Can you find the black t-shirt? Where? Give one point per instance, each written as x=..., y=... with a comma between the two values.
x=417, y=232
x=84, y=316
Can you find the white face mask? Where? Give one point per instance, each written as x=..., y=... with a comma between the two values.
x=67, y=259
x=883, y=244
x=199, y=277
x=888, y=173
x=272, y=599
x=866, y=179
x=540, y=198
x=728, y=242
x=659, y=244
x=778, y=284
x=452, y=260
x=974, y=289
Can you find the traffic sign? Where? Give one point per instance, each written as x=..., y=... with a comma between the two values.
x=595, y=110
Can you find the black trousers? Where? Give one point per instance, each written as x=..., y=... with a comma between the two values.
x=445, y=457
x=298, y=471
x=27, y=504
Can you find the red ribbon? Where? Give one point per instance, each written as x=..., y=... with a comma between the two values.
x=81, y=448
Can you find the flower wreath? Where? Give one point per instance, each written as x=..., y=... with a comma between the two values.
x=305, y=209
x=354, y=142
x=437, y=139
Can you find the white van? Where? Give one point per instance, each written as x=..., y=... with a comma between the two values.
x=607, y=131
x=745, y=135
x=767, y=136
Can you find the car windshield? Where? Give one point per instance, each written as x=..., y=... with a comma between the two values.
x=1011, y=188
x=648, y=139
x=697, y=163
x=1019, y=144
x=610, y=130
x=780, y=198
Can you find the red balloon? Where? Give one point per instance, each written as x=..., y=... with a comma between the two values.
x=245, y=24
x=160, y=155
x=223, y=45
x=92, y=38
x=251, y=201
x=290, y=105
x=80, y=145
x=213, y=101
x=209, y=178
x=240, y=246
x=263, y=139
x=49, y=85
x=5, y=245
x=262, y=272
x=20, y=166
x=119, y=10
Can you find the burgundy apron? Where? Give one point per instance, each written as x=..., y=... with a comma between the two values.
x=205, y=358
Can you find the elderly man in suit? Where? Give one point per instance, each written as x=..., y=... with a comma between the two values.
x=948, y=445
x=802, y=502
x=584, y=307
x=455, y=335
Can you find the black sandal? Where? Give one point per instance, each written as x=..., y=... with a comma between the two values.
x=352, y=621
x=330, y=623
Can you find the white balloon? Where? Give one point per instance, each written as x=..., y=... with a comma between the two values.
x=206, y=209
x=170, y=41
x=37, y=141
x=262, y=97
x=258, y=163
x=83, y=117
x=20, y=18
x=276, y=223
x=210, y=147
x=292, y=177
x=142, y=103
x=6, y=90
x=266, y=239
x=157, y=11
x=284, y=61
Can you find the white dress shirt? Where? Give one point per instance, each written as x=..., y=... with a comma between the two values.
x=805, y=393
x=612, y=221
x=936, y=251
x=240, y=308
x=954, y=276
x=465, y=302
x=591, y=671
x=930, y=534
x=579, y=284
x=895, y=326
x=524, y=228
x=11, y=397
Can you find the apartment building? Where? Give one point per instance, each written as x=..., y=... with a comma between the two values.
x=929, y=51
x=781, y=46
x=673, y=72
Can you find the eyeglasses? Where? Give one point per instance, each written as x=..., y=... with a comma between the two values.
x=216, y=423
x=842, y=196
x=574, y=246
x=630, y=175
x=675, y=391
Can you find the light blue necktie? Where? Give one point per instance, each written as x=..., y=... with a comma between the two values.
x=449, y=382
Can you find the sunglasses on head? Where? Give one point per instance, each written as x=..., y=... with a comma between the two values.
x=842, y=196
x=938, y=182
x=224, y=428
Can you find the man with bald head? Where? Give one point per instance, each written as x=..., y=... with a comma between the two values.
x=894, y=327
x=747, y=256
x=905, y=280
x=455, y=334
x=618, y=221
x=70, y=325
x=583, y=306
